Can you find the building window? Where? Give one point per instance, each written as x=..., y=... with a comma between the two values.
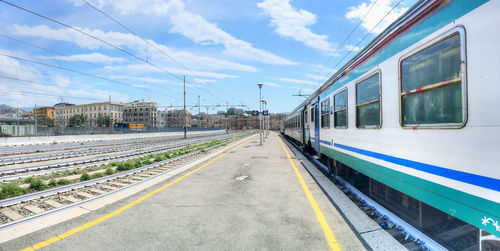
x=325, y=113
x=432, y=88
x=340, y=109
x=368, y=102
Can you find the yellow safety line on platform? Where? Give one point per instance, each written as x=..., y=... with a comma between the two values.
x=327, y=230
x=105, y=217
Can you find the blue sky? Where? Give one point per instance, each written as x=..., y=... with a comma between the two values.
x=223, y=47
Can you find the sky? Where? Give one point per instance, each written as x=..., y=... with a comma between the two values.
x=93, y=51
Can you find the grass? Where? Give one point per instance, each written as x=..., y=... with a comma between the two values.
x=36, y=184
x=11, y=190
x=85, y=176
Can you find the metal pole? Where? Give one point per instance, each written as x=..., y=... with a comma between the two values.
x=199, y=115
x=185, y=128
x=227, y=117
x=36, y=123
x=260, y=112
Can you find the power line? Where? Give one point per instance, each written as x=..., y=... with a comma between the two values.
x=352, y=31
x=366, y=35
x=45, y=94
x=82, y=73
x=61, y=55
x=99, y=39
x=147, y=42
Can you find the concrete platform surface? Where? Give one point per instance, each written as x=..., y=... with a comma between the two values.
x=248, y=199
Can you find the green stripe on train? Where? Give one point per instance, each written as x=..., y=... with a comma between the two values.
x=469, y=208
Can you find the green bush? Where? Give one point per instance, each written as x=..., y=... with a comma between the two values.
x=11, y=190
x=158, y=158
x=98, y=175
x=52, y=183
x=137, y=164
x=124, y=166
x=114, y=163
x=63, y=182
x=38, y=185
x=147, y=162
x=109, y=171
x=28, y=180
x=85, y=177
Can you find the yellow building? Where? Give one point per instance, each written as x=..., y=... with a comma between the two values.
x=90, y=111
x=42, y=112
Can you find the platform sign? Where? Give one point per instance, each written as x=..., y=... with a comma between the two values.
x=265, y=113
x=255, y=113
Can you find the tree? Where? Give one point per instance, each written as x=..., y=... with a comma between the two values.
x=103, y=121
x=77, y=120
x=48, y=122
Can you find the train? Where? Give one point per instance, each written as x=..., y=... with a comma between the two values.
x=410, y=121
x=121, y=126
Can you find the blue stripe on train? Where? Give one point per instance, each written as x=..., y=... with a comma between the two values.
x=474, y=179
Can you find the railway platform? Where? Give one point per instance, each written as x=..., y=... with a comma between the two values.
x=246, y=197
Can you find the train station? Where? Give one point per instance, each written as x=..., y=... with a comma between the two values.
x=249, y=125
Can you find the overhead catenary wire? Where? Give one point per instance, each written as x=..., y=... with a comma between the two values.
x=82, y=73
x=352, y=31
x=61, y=55
x=147, y=42
x=364, y=37
x=48, y=95
x=99, y=39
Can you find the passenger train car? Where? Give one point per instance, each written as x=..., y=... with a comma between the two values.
x=412, y=121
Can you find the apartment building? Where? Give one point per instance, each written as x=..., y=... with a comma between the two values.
x=141, y=112
x=175, y=118
x=42, y=113
x=90, y=111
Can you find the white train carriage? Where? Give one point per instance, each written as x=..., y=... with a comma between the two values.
x=412, y=120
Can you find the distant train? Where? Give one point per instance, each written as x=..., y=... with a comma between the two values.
x=412, y=121
x=129, y=127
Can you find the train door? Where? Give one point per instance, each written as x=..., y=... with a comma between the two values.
x=305, y=127
x=316, y=127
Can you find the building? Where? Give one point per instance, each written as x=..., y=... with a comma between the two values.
x=175, y=118
x=141, y=112
x=91, y=112
x=42, y=113
x=17, y=127
x=235, y=111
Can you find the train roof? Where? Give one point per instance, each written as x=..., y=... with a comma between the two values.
x=404, y=22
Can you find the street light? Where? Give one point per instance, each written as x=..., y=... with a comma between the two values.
x=260, y=111
x=264, y=101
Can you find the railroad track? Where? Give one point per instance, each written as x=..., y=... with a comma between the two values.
x=29, y=206
x=23, y=172
x=18, y=150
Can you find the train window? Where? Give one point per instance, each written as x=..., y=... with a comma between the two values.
x=305, y=116
x=368, y=102
x=325, y=113
x=340, y=109
x=432, y=85
x=312, y=114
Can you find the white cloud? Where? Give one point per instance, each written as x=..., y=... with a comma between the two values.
x=94, y=57
x=122, y=40
x=352, y=48
x=139, y=79
x=300, y=89
x=140, y=86
x=204, y=81
x=381, y=8
x=144, y=68
x=194, y=27
x=272, y=84
x=297, y=81
x=291, y=23
x=61, y=81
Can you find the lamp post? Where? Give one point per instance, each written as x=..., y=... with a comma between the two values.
x=264, y=101
x=260, y=111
